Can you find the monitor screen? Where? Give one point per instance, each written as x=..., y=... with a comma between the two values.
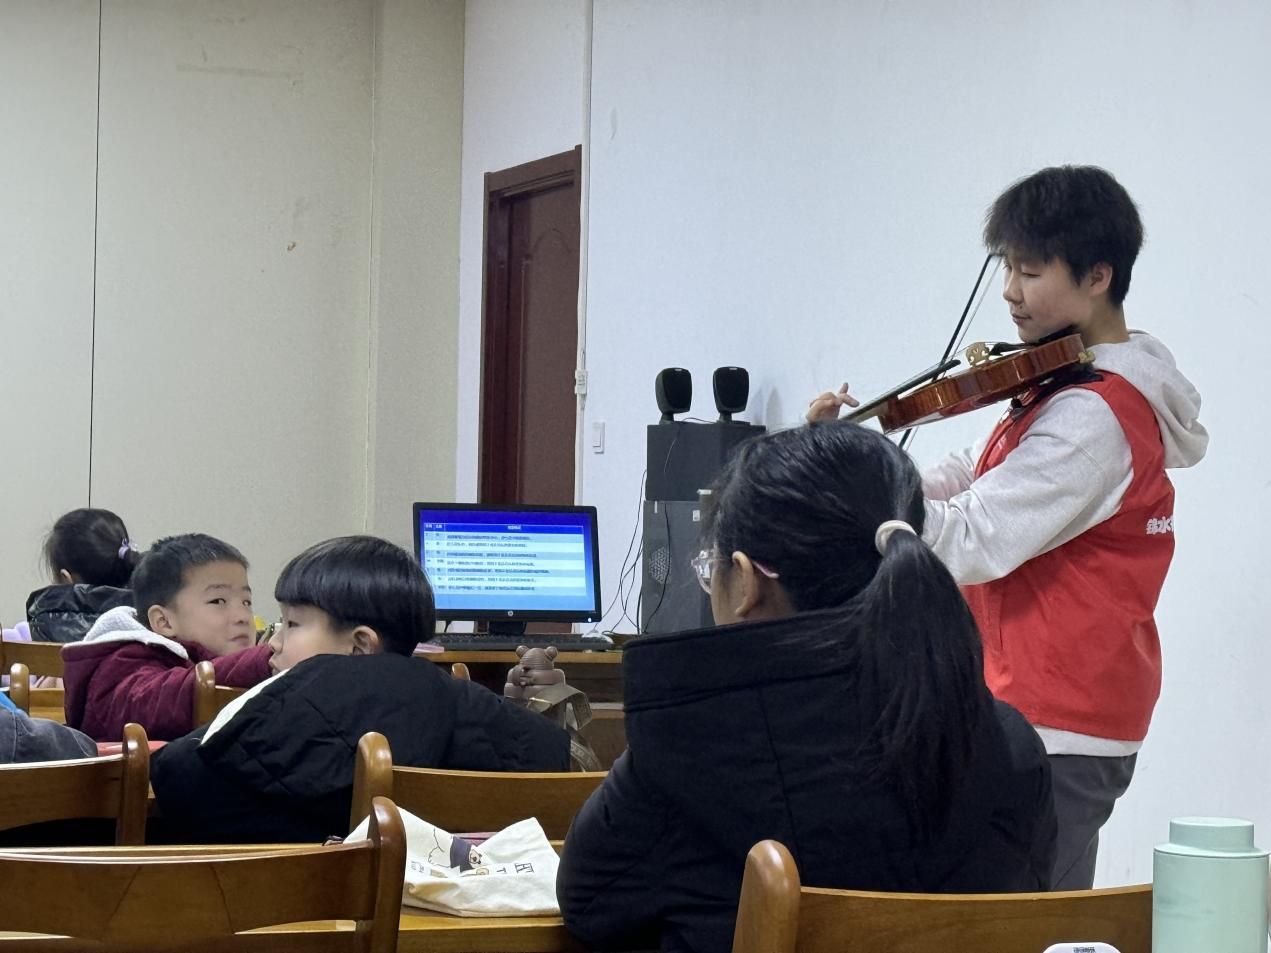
x=526, y=563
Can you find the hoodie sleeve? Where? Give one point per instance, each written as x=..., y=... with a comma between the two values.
x=953, y=474
x=160, y=696
x=244, y=669
x=1049, y=490
x=612, y=867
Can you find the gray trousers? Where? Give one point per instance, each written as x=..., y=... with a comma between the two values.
x=1085, y=790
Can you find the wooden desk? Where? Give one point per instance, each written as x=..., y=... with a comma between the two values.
x=421, y=930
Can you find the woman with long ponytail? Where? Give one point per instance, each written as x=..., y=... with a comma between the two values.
x=838, y=706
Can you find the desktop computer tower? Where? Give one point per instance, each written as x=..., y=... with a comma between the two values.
x=684, y=457
x=670, y=598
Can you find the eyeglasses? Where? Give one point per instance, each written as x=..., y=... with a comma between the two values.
x=702, y=564
x=704, y=560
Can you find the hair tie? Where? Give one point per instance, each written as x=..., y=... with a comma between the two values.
x=124, y=547
x=884, y=531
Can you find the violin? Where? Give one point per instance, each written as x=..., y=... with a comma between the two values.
x=996, y=372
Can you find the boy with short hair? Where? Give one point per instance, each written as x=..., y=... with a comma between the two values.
x=356, y=595
x=277, y=763
x=1060, y=525
x=194, y=604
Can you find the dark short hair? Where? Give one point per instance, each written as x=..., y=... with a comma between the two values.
x=364, y=580
x=93, y=546
x=160, y=574
x=1077, y=213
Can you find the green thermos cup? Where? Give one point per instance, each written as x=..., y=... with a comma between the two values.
x=1209, y=888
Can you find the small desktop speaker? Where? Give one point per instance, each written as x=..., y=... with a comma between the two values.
x=674, y=389
x=732, y=390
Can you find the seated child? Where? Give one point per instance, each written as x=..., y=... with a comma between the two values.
x=277, y=763
x=838, y=706
x=138, y=665
x=90, y=560
x=24, y=739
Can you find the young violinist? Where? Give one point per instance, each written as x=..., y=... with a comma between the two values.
x=1059, y=525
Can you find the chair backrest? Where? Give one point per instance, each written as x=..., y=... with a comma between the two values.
x=191, y=900
x=210, y=698
x=39, y=702
x=40, y=658
x=460, y=670
x=778, y=915
x=115, y=786
x=469, y=801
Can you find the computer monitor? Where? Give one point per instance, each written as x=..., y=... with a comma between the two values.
x=510, y=564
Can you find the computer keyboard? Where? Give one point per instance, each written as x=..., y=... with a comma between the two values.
x=474, y=642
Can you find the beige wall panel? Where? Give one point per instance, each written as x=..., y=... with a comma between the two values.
x=414, y=258
x=232, y=328
x=48, y=107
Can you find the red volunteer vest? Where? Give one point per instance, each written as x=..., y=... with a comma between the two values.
x=1069, y=637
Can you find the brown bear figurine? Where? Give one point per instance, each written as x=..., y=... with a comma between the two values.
x=534, y=672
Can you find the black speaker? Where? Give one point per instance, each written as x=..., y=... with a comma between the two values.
x=674, y=390
x=671, y=599
x=732, y=390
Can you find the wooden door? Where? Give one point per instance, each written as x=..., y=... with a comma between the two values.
x=530, y=332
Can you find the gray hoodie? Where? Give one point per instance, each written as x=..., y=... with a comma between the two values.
x=1069, y=472
x=24, y=739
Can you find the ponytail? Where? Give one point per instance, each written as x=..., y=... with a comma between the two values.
x=924, y=657
x=127, y=557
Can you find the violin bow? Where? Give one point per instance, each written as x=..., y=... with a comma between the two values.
x=955, y=341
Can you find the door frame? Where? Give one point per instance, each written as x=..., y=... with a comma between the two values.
x=498, y=432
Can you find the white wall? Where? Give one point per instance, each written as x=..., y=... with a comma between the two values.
x=276, y=273
x=49, y=52
x=798, y=188
x=524, y=80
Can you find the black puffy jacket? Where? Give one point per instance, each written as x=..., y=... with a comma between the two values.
x=281, y=769
x=65, y=613
x=746, y=732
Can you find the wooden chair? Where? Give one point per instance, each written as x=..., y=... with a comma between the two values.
x=116, y=786
x=40, y=658
x=193, y=901
x=469, y=801
x=778, y=915
x=47, y=703
x=210, y=698
x=459, y=670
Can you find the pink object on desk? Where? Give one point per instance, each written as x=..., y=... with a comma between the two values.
x=21, y=632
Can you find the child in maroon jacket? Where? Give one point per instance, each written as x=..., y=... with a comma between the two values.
x=193, y=604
